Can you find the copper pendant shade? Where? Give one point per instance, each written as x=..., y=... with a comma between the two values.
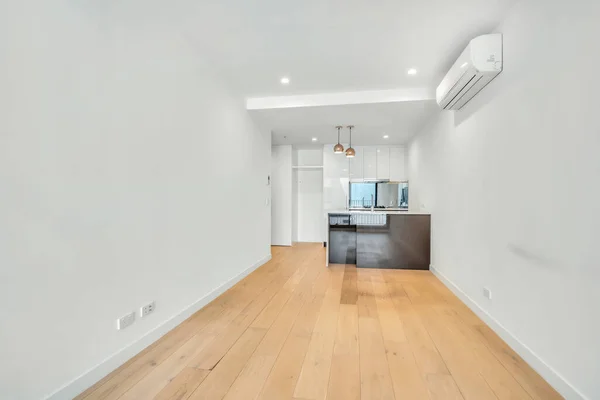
x=350, y=151
x=338, y=148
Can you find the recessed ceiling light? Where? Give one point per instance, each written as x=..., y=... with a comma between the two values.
x=386, y=136
x=412, y=71
x=285, y=80
x=314, y=139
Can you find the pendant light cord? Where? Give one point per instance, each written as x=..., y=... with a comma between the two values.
x=350, y=127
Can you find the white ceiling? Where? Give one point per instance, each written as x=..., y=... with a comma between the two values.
x=336, y=45
x=329, y=46
x=299, y=125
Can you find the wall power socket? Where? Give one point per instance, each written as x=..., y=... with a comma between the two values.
x=487, y=293
x=125, y=321
x=147, y=309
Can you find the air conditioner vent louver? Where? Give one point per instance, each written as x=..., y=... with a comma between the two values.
x=478, y=64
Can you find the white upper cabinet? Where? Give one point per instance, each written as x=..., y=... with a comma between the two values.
x=398, y=164
x=383, y=163
x=369, y=163
x=356, y=164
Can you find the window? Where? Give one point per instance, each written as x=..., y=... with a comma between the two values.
x=383, y=194
x=403, y=194
x=362, y=194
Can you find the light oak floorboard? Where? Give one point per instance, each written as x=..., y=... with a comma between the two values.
x=530, y=380
x=314, y=376
x=218, y=382
x=375, y=379
x=183, y=385
x=442, y=387
x=344, y=378
x=294, y=329
x=285, y=373
x=408, y=382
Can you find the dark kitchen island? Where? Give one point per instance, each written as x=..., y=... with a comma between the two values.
x=391, y=240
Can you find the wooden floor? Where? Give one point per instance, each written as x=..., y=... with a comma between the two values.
x=295, y=329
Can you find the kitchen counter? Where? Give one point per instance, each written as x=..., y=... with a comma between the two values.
x=379, y=239
x=377, y=211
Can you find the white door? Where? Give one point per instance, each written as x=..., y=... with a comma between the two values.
x=281, y=195
x=383, y=163
x=310, y=205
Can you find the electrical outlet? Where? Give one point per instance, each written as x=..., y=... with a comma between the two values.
x=125, y=321
x=487, y=293
x=147, y=309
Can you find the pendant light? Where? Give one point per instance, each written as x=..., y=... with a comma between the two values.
x=338, y=148
x=350, y=151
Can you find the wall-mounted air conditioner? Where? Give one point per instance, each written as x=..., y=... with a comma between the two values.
x=478, y=64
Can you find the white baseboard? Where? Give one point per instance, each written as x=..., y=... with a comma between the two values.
x=559, y=383
x=93, y=375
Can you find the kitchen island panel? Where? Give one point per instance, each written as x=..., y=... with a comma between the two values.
x=404, y=242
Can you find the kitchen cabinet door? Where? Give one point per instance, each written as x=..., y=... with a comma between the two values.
x=356, y=165
x=369, y=163
x=398, y=164
x=383, y=163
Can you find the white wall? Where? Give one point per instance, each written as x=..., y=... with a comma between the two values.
x=312, y=156
x=512, y=185
x=295, y=205
x=115, y=142
x=281, y=200
x=294, y=196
